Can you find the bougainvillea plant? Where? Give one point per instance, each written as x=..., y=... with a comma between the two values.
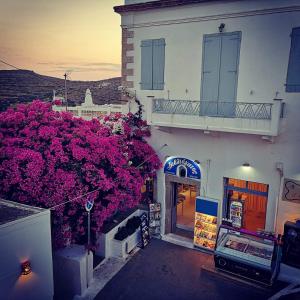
x=48, y=158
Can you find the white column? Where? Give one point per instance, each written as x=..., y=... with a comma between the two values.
x=149, y=106
x=275, y=117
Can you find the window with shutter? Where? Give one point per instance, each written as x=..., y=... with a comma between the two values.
x=219, y=74
x=152, y=64
x=293, y=74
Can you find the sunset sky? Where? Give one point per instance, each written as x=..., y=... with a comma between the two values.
x=50, y=37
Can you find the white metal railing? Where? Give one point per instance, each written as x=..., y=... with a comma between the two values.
x=237, y=117
x=242, y=110
x=89, y=112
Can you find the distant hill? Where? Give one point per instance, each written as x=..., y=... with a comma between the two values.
x=21, y=86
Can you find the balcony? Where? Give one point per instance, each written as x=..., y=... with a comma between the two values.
x=238, y=117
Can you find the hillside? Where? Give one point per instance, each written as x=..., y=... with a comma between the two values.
x=21, y=86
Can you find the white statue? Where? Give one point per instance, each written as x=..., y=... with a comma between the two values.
x=88, y=100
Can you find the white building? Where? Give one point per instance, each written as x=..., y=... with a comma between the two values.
x=25, y=252
x=220, y=81
x=89, y=110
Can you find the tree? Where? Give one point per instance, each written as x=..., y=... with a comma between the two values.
x=48, y=158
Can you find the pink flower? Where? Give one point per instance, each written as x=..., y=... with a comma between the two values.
x=48, y=158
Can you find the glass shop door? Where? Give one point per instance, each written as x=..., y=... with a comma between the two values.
x=183, y=212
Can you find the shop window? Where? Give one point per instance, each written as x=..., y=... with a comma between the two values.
x=245, y=203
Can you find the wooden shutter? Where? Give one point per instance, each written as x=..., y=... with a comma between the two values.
x=293, y=74
x=158, y=64
x=210, y=74
x=146, y=65
x=229, y=73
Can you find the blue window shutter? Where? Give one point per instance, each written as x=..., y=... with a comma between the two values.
x=210, y=74
x=146, y=65
x=293, y=74
x=229, y=73
x=158, y=64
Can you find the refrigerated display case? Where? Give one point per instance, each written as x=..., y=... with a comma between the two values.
x=247, y=254
x=236, y=213
x=206, y=219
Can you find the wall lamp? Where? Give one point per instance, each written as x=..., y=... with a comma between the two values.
x=26, y=268
x=246, y=164
x=221, y=27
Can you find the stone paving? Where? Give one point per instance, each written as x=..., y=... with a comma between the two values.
x=166, y=271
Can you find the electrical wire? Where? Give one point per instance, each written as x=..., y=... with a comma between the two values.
x=4, y=62
x=78, y=197
x=81, y=196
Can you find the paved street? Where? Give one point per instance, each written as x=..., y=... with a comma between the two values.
x=166, y=271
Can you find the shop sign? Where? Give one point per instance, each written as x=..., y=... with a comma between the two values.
x=173, y=164
x=291, y=190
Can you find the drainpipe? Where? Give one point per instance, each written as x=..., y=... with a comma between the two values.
x=279, y=168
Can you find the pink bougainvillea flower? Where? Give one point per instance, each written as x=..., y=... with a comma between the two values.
x=48, y=158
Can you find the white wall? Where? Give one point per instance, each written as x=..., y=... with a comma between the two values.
x=26, y=239
x=266, y=27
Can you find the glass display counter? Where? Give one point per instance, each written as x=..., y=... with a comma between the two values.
x=247, y=254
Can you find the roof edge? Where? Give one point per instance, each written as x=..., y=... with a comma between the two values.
x=156, y=5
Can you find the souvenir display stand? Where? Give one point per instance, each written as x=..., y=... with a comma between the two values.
x=154, y=219
x=145, y=236
x=247, y=254
x=206, y=219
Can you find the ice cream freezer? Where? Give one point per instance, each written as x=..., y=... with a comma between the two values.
x=247, y=254
x=206, y=220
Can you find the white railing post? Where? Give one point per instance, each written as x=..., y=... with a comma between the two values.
x=149, y=106
x=275, y=116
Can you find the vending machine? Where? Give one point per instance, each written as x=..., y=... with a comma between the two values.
x=206, y=221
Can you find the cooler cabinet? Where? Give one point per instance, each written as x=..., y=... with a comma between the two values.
x=247, y=254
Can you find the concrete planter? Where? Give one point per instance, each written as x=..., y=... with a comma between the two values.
x=105, y=240
x=122, y=248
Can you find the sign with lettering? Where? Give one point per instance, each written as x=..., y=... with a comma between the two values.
x=291, y=190
x=89, y=205
x=174, y=165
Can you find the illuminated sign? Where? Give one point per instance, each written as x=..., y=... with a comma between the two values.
x=174, y=164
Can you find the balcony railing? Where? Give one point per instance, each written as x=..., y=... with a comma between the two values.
x=235, y=117
x=242, y=110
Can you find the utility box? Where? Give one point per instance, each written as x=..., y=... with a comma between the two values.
x=73, y=271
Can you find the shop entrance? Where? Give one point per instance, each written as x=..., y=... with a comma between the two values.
x=180, y=205
x=183, y=214
x=245, y=203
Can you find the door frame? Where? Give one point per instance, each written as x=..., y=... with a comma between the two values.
x=169, y=180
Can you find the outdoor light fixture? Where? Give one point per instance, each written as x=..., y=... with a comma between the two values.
x=26, y=268
x=246, y=164
x=221, y=27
